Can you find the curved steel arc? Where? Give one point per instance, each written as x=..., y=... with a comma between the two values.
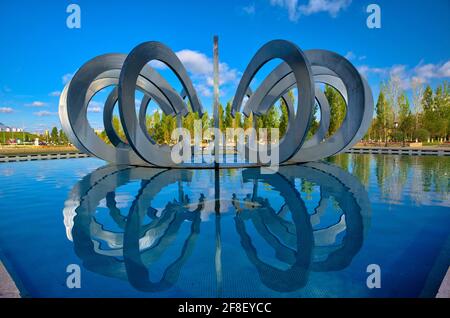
x=300, y=70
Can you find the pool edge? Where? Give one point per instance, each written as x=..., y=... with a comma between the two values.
x=8, y=288
x=444, y=289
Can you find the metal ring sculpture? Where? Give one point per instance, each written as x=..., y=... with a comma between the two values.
x=300, y=70
x=295, y=241
x=138, y=244
x=304, y=242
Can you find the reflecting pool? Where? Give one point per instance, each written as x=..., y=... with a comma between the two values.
x=307, y=231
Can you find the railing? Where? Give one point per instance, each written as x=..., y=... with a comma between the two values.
x=47, y=156
x=357, y=150
x=401, y=151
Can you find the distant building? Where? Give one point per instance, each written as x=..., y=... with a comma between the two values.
x=5, y=128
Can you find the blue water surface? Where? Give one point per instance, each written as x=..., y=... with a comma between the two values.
x=307, y=231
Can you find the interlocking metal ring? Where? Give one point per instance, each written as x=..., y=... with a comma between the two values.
x=301, y=70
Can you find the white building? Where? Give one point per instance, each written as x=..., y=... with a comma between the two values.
x=5, y=128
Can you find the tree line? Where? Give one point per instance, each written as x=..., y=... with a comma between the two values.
x=160, y=125
x=55, y=137
x=424, y=117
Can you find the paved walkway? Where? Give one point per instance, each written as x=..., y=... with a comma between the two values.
x=444, y=290
x=8, y=288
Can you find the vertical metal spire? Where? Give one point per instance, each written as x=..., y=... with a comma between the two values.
x=217, y=154
x=216, y=100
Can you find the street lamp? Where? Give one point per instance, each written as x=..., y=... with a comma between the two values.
x=395, y=127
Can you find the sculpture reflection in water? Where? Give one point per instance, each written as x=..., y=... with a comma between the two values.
x=300, y=240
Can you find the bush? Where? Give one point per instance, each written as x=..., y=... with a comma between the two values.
x=397, y=136
x=422, y=134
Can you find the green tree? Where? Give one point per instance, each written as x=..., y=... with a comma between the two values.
x=270, y=119
x=259, y=124
x=441, y=103
x=417, y=95
x=436, y=112
x=314, y=122
x=248, y=121
x=117, y=125
x=221, y=118
x=206, y=122
x=406, y=120
x=427, y=99
x=156, y=130
x=428, y=111
x=104, y=137
x=337, y=109
x=284, y=118
x=63, y=137
x=54, y=135
x=422, y=135
x=237, y=123
x=392, y=92
x=228, y=120
x=382, y=116
x=188, y=123
x=168, y=124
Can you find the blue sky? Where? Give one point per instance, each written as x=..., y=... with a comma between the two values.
x=39, y=53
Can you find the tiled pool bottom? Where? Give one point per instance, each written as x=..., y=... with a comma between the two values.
x=308, y=231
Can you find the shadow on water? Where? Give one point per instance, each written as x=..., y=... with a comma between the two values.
x=297, y=237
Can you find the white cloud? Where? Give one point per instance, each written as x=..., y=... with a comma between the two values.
x=36, y=104
x=94, y=107
x=366, y=70
x=137, y=102
x=195, y=62
x=44, y=113
x=444, y=70
x=6, y=110
x=421, y=73
x=66, y=78
x=55, y=93
x=157, y=64
x=332, y=7
x=350, y=55
x=204, y=90
x=290, y=5
x=201, y=67
x=425, y=72
x=250, y=9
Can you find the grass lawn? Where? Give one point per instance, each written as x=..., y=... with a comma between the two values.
x=30, y=150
